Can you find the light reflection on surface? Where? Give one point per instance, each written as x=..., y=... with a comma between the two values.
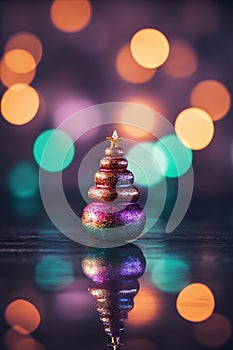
x=15, y=341
x=23, y=316
x=53, y=273
x=195, y=302
x=140, y=344
x=213, y=332
x=129, y=70
x=147, y=307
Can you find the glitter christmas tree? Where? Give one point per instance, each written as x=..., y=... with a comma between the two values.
x=113, y=215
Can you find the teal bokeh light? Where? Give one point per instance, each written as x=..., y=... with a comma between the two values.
x=58, y=147
x=178, y=157
x=145, y=164
x=170, y=274
x=53, y=273
x=23, y=180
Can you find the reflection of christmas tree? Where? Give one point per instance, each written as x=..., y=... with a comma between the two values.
x=114, y=273
x=114, y=215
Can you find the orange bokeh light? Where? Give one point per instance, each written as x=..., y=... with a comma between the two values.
x=71, y=15
x=129, y=70
x=146, y=307
x=213, y=332
x=19, y=61
x=22, y=316
x=195, y=128
x=9, y=77
x=195, y=302
x=182, y=61
x=149, y=47
x=26, y=41
x=213, y=97
x=19, y=104
x=15, y=341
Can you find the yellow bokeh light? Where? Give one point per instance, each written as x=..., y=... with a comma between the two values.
x=20, y=61
x=129, y=70
x=182, y=61
x=19, y=104
x=213, y=332
x=213, y=97
x=195, y=128
x=146, y=306
x=22, y=316
x=26, y=41
x=9, y=77
x=71, y=15
x=195, y=303
x=149, y=47
x=141, y=118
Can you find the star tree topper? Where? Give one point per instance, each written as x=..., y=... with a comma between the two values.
x=114, y=139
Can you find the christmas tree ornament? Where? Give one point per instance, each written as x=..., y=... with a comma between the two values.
x=113, y=274
x=113, y=215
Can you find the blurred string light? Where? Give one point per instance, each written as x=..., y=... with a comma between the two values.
x=20, y=104
x=71, y=16
x=213, y=97
x=16, y=341
x=19, y=61
x=195, y=128
x=195, y=303
x=26, y=41
x=129, y=70
x=182, y=61
x=23, y=316
x=139, y=344
x=150, y=173
x=178, y=157
x=53, y=273
x=9, y=77
x=23, y=180
x=147, y=306
x=170, y=274
x=149, y=47
x=53, y=150
x=214, y=332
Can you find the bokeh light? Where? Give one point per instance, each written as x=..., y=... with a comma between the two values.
x=130, y=113
x=149, y=47
x=26, y=41
x=195, y=302
x=150, y=172
x=182, y=61
x=20, y=104
x=53, y=150
x=129, y=70
x=53, y=273
x=25, y=208
x=140, y=344
x=213, y=97
x=8, y=77
x=170, y=274
x=19, y=61
x=23, y=180
x=15, y=341
x=195, y=128
x=147, y=306
x=23, y=316
x=178, y=157
x=213, y=332
x=71, y=15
